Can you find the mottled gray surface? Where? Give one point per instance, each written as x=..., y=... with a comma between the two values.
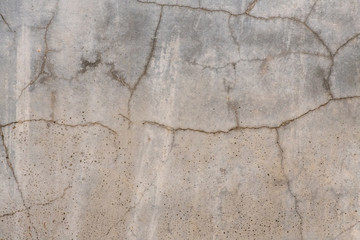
x=180, y=119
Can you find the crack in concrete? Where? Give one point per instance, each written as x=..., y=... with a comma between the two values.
x=117, y=77
x=282, y=54
x=251, y=6
x=6, y=23
x=239, y=128
x=12, y=213
x=333, y=59
x=189, y=7
x=232, y=34
x=131, y=207
x=146, y=67
x=173, y=129
x=8, y=162
x=44, y=60
x=294, y=19
x=53, y=200
x=288, y=183
x=346, y=43
x=247, y=13
x=38, y=204
x=87, y=124
x=310, y=12
x=346, y=230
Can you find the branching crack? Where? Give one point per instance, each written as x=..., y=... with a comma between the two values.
x=38, y=204
x=192, y=8
x=117, y=76
x=8, y=162
x=247, y=13
x=146, y=67
x=296, y=200
x=347, y=42
x=239, y=128
x=44, y=60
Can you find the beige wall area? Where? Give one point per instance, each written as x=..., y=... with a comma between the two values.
x=180, y=119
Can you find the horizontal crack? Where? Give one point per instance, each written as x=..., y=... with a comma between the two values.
x=282, y=124
x=61, y=124
x=282, y=54
x=192, y=8
x=38, y=204
x=173, y=129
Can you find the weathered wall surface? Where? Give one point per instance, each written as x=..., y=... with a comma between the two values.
x=180, y=119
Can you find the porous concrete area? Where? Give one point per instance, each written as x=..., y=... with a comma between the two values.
x=180, y=119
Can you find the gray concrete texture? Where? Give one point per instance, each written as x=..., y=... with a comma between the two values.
x=180, y=119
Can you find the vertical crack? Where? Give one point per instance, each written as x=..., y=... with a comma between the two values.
x=47, y=50
x=327, y=84
x=8, y=162
x=232, y=34
x=151, y=54
x=296, y=200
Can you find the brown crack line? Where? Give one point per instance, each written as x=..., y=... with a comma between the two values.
x=247, y=13
x=311, y=10
x=335, y=54
x=189, y=7
x=115, y=75
x=47, y=50
x=146, y=67
x=346, y=42
x=62, y=124
x=8, y=162
x=38, y=204
x=251, y=6
x=288, y=183
x=173, y=129
x=239, y=128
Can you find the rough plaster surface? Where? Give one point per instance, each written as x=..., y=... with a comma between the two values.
x=180, y=119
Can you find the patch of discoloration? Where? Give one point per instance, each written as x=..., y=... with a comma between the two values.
x=169, y=119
